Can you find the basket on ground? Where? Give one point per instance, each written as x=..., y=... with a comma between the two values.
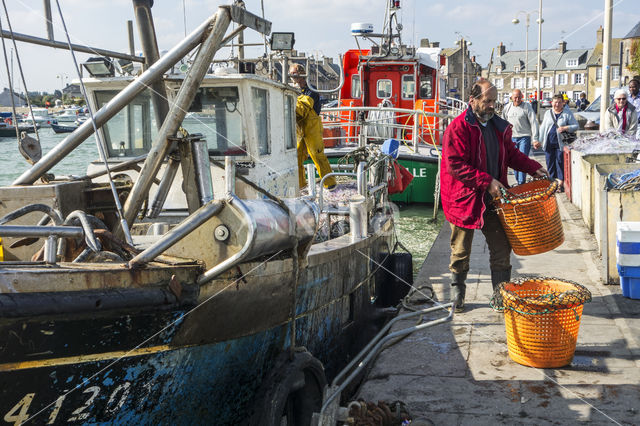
x=542, y=319
x=530, y=217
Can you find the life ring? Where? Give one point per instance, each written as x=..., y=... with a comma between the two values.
x=291, y=392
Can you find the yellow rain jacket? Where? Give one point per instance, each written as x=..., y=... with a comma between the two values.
x=309, y=133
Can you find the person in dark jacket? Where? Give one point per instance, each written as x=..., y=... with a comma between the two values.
x=477, y=149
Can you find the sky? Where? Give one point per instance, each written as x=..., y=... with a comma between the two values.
x=322, y=27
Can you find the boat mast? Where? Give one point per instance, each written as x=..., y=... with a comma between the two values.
x=147, y=33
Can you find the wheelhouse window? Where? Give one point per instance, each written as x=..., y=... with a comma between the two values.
x=290, y=122
x=426, y=87
x=356, y=93
x=384, y=89
x=215, y=112
x=408, y=86
x=259, y=98
x=132, y=130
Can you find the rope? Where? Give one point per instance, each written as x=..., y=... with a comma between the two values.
x=626, y=181
x=24, y=82
x=99, y=142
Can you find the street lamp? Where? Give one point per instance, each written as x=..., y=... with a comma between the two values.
x=463, y=43
x=516, y=21
x=62, y=78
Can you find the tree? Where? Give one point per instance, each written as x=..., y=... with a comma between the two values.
x=634, y=60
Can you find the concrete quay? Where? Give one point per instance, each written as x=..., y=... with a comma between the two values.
x=459, y=373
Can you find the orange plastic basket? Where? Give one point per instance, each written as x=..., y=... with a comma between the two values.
x=530, y=217
x=542, y=319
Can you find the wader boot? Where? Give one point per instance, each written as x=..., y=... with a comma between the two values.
x=498, y=277
x=458, y=289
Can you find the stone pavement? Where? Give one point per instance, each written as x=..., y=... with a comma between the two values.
x=459, y=373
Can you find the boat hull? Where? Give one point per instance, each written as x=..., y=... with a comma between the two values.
x=203, y=356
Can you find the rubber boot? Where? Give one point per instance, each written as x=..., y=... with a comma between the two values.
x=458, y=290
x=498, y=277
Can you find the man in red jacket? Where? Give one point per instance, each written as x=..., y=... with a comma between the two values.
x=476, y=151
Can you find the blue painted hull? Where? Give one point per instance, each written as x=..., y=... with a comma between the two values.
x=194, y=366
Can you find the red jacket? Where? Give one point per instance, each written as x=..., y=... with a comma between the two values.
x=463, y=175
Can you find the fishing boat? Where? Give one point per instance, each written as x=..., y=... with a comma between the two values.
x=60, y=128
x=68, y=115
x=393, y=91
x=185, y=278
x=8, y=130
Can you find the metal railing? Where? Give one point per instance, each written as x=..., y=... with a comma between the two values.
x=420, y=130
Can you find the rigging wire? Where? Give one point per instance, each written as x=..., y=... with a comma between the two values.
x=99, y=141
x=24, y=83
x=11, y=94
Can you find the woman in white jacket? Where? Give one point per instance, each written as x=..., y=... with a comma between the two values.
x=621, y=116
x=557, y=120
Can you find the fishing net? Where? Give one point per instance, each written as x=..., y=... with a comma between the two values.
x=530, y=217
x=629, y=181
x=542, y=319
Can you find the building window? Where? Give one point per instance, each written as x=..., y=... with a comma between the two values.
x=615, y=73
x=517, y=83
x=598, y=74
x=562, y=79
x=578, y=78
x=384, y=89
x=408, y=86
x=260, y=103
x=546, y=95
x=572, y=63
x=499, y=83
x=546, y=82
x=529, y=81
x=355, y=86
x=455, y=83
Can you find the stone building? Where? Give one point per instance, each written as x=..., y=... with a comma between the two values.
x=454, y=72
x=594, y=66
x=562, y=71
x=5, y=98
x=630, y=46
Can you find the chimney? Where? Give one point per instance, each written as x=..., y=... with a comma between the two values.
x=562, y=46
x=434, y=44
x=327, y=61
x=501, y=49
x=424, y=42
x=599, y=35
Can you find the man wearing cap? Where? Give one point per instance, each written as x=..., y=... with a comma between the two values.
x=309, y=129
x=621, y=116
x=525, y=126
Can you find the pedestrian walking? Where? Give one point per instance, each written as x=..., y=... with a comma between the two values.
x=309, y=129
x=525, y=126
x=622, y=116
x=582, y=103
x=556, y=122
x=477, y=150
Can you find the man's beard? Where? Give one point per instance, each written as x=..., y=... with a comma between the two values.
x=484, y=116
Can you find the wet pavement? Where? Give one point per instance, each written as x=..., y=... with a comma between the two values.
x=459, y=373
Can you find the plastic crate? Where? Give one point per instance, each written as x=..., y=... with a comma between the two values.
x=628, y=243
x=630, y=281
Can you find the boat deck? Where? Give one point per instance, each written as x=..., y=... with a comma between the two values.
x=460, y=372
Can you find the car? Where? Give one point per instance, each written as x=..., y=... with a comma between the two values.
x=545, y=103
x=592, y=112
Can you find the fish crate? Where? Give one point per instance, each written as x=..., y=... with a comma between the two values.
x=610, y=207
x=588, y=184
x=628, y=258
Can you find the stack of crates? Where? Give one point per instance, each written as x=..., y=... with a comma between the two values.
x=628, y=258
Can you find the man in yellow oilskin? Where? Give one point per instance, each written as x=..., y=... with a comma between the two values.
x=309, y=129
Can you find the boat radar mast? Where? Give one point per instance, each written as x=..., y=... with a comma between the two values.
x=390, y=42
